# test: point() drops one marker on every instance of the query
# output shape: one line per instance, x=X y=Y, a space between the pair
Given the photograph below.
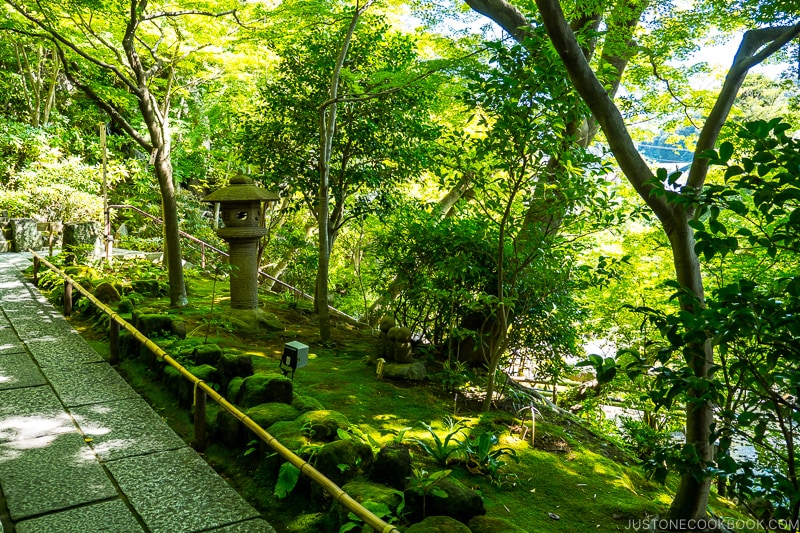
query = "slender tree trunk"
x=327 y=128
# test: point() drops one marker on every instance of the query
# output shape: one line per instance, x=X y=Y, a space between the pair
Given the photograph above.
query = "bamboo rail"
x=202 y=390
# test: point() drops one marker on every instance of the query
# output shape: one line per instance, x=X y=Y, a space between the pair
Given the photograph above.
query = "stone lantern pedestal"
x=240 y=210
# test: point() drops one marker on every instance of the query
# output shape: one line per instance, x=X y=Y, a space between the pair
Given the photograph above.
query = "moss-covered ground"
x=572 y=480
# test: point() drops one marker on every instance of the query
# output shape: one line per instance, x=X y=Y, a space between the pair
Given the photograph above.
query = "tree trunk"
x=172 y=238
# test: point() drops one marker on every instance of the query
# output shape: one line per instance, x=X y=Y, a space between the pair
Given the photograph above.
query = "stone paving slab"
x=125 y=428
x=51 y=473
x=31 y=412
x=18 y=370
x=251 y=526
x=106 y=517
x=9 y=342
x=79 y=384
x=54 y=349
x=177 y=492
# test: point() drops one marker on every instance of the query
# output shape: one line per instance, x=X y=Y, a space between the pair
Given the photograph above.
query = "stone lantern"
x=240 y=208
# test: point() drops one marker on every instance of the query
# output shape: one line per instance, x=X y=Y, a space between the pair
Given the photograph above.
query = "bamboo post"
x=199 y=419
x=113 y=339
x=67 y=298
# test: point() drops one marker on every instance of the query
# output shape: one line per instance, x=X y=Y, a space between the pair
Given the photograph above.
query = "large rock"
x=151 y=324
x=107 y=293
x=291 y=434
x=307 y=403
x=232 y=365
x=438 y=524
x=83 y=239
x=24 y=234
x=324 y=425
x=409 y=371
x=264 y=388
x=458 y=501
x=341 y=460
x=363 y=492
x=267 y=414
x=392 y=466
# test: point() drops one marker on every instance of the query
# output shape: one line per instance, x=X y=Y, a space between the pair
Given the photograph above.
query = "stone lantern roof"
x=241 y=189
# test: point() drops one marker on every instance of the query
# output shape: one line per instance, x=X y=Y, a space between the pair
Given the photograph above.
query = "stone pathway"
x=80 y=451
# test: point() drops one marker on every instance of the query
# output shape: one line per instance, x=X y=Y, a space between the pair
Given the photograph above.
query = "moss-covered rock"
x=307 y=403
x=206 y=373
x=485 y=524
x=151 y=324
x=363 y=492
x=438 y=524
x=267 y=414
x=324 y=425
x=147 y=287
x=264 y=388
x=233 y=388
x=125 y=306
x=291 y=434
x=228 y=430
x=392 y=466
x=207 y=354
x=341 y=460
x=233 y=364
x=107 y=293
x=456 y=501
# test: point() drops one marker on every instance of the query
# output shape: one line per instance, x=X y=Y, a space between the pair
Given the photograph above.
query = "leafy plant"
x=481 y=458
x=287 y=480
x=426 y=484
x=454 y=376
x=442 y=449
x=381 y=510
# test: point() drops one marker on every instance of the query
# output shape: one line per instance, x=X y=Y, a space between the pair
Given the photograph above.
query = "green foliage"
x=287 y=480
x=454 y=376
x=482 y=457
x=441 y=449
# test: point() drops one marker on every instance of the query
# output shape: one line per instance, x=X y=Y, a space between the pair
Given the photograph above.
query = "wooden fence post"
x=67 y=298
x=113 y=340
x=36 y=263
x=199 y=419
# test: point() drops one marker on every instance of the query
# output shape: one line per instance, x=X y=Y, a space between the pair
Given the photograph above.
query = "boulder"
x=125 y=305
x=264 y=388
x=409 y=371
x=229 y=430
x=24 y=234
x=178 y=328
x=207 y=354
x=307 y=403
x=341 y=460
x=363 y=492
x=151 y=324
x=485 y=524
x=83 y=239
x=460 y=502
x=392 y=466
x=233 y=364
x=267 y=414
x=438 y=524
x=325 y=425
x=206 y=373
x=291 y=434
x=107 y=293
x=233 y=388
x=147 y=287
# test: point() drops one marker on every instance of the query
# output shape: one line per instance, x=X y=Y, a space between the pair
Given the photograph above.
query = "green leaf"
x=287 y=480
x=725 y=151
